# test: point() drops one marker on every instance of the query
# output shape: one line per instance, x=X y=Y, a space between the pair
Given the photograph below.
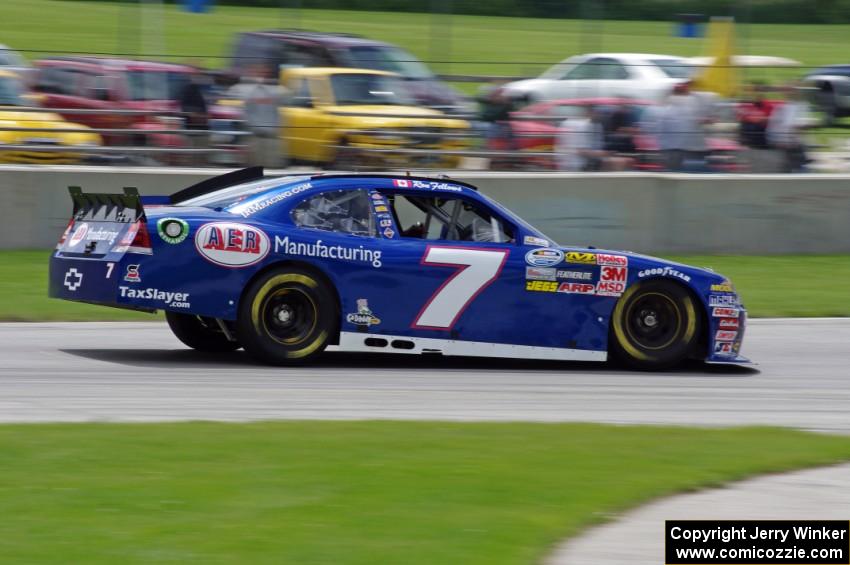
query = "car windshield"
x=390 y=59
x=156 y=85
x=366 y=89
x=231 y=195
x=674 y=68
x=10 y=92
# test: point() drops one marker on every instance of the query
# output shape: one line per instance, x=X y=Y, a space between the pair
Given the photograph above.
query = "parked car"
x=276 y=49
x=534 y=128
x=286 y=267
x=11 y=60
x=98 y=83
x=831 y=91
x=55 y=141
x=622 y=75
x=337 y=114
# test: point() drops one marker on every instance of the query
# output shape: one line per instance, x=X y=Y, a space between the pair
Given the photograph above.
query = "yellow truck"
x=337 y=115
x=52 y=130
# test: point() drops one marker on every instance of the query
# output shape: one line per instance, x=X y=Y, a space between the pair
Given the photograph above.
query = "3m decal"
x=476 y=269
x=612 y=281
x=230 y=244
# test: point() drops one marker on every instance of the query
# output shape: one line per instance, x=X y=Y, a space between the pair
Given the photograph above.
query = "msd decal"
x=612 y=281
x=232 y=245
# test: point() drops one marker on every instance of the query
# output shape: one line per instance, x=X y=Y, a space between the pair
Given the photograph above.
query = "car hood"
x=33 y=119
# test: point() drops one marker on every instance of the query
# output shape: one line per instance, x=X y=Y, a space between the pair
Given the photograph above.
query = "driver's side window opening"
x=448 y=219
x=344 y=211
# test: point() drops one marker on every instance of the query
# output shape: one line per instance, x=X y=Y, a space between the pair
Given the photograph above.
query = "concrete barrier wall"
x=652 y=213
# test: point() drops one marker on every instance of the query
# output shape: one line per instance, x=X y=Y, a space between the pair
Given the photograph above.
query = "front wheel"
x=203 y=334
x=287 y=317
x=655 y=326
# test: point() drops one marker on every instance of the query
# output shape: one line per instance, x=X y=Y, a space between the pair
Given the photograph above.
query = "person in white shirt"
x=580 y=145
x=785 y=130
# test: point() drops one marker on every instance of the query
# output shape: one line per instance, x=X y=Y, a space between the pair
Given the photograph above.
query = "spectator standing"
x=682 y=133
x=262 y=100
x=580 y=145
x=785 y=130
x=193 y=104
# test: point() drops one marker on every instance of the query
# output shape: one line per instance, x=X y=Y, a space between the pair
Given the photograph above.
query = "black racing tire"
x=287 y=317
x=655 y=326
x=199 y=333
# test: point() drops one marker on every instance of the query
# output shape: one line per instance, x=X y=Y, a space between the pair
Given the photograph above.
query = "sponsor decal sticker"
x=249 y=209
x=612 y=281
x=132 y=274
x=541 y=286
x=79 y=235
x=401 y=183
x=364 y=316
x=172 y=230
x=575 y=275
x=376 y=196
x=663 y=272
x=725 y=335
x=389 y=233
x=722 y=300
x=128 y=238
x=169 y=299
x=73 y=279
x=724 y=287
x=325 y=251
x=381 y=209
x=544 y=257
x=532 y=240
x=728 y=323
x=434 y=185
x=576 y=288
x=386 y=223
x=230 y=244
x=725 y=312
x=581 y=257
x=614 y=260
x=724 y=348
x=540 y=273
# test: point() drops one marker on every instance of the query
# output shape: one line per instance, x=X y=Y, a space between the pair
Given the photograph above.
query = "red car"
x=535 y=127
x=97 y=83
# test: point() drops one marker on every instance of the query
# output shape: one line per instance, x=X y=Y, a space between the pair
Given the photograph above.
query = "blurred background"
x=534 y=85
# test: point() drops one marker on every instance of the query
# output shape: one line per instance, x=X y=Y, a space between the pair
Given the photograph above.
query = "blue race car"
x=287 y=267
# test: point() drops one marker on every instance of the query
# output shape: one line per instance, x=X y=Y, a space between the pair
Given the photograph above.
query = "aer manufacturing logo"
x=73 y=279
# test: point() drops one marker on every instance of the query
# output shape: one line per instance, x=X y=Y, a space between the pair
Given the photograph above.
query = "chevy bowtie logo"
x=73 y=279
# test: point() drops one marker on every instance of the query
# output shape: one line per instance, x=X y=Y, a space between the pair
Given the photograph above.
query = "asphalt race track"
x=139 y=372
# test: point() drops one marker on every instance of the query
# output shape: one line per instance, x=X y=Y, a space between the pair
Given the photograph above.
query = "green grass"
x=785 y=285
x=474 y=44
x=352 y=492
x=770 y=286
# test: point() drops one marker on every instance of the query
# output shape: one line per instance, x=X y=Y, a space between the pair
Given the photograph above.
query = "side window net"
x=343 y=211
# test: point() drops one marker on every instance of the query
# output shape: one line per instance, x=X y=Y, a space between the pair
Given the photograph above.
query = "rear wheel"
x=287 y=317
x=203 y=334
x=655 y=325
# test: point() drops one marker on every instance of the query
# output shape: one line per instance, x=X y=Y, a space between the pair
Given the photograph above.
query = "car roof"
x=322 y=71
x=118 y=63
x=631 y=56
x=339 y=39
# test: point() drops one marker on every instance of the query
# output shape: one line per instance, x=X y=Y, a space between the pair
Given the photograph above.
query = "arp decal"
x=229 y=244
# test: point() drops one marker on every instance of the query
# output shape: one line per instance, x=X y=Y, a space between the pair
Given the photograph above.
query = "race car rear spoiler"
x=98 y=207
x=232 y=178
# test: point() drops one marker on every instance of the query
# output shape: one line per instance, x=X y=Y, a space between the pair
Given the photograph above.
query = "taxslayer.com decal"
x=232 y=245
